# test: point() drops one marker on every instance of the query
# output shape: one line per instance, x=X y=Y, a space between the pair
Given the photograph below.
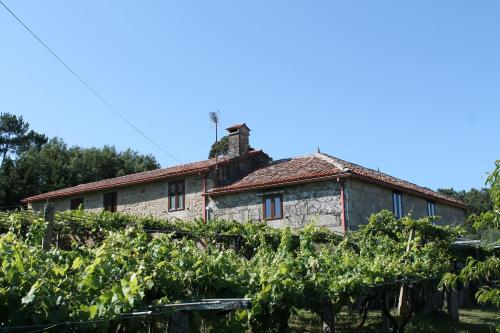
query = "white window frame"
x=397 y=204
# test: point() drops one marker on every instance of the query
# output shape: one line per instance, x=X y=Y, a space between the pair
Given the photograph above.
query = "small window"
x=397 y=204
x=431 y=208
x=273 y=207
x=176 y=195
x=75 y=203
x=109 y=202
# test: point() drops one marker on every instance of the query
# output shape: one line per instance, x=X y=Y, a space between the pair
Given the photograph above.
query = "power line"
x=92 y=90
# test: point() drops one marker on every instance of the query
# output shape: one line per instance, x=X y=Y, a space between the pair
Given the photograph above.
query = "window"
x=431 y=208
x=75 y=203
x=397 y=204
x=273 y=207
x=176 y=195
x=109 y=201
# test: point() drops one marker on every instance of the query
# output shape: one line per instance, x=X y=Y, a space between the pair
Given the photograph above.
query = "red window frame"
x=177 y=189
x=273 y=198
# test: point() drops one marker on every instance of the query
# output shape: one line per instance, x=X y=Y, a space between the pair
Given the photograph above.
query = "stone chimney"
x=238 y=140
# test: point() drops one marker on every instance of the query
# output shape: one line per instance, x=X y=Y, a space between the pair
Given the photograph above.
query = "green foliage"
x=111 y=266
x=220 y=147
x=478 y=200
x=15 y=136
x=487 y=271
x=494 y=181
x=15 y=139
x=32 y=164
x=54 y=165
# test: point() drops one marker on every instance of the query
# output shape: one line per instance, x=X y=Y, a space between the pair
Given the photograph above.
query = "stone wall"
x=143 y=200
x=364 y=198
x=449 y=215
x=317 y=203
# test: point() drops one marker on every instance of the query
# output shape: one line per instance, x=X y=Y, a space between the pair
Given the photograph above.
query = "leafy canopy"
x=219 y=148
x=15 y=136
x=32 y=164
x=106 y=265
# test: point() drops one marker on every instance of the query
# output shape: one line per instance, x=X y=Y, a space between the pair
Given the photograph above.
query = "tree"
x=32 y=164
x=133 y=162
x=55 y=166
x=8 y=181
x=479 y=201
x=220 y=147
x=15 y=136
x=487 y=270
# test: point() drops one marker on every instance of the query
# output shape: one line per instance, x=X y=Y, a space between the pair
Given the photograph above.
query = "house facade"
x=247 y=184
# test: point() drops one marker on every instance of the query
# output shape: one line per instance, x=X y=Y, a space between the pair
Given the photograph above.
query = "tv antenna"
x=214 y=118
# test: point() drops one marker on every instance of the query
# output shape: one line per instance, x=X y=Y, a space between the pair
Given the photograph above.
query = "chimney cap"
x=235 y=128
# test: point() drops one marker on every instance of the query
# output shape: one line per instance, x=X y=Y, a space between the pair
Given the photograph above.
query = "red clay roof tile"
x=278 y=173
x=321 y=165
x=381 y=177
x=136 y=178
x=283 y=171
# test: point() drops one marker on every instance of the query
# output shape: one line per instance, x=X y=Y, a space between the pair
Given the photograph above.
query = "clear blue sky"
x=411 y=87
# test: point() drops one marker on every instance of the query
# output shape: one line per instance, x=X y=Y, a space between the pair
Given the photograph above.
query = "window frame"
x=397 y=204
x=431 y=208
x=273 y=206
x=80 y=201
x=113 y=204
x=176 y=195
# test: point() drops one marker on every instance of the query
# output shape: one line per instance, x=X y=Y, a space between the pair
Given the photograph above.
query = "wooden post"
x=433 y=298
x=178 y=323
x=386 y=324
x=328 y=317
x=452 y=305
x=48 y=215
x=404 y=292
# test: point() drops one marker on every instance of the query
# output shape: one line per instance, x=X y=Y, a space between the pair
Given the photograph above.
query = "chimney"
x=238 y=140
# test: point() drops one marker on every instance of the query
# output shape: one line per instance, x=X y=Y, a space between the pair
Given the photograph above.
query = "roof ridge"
x=332 y=160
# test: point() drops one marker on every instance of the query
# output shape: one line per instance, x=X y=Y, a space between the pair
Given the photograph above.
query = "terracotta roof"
x=282 y=172
x=136 y=178
x=318 y=166
x=381 y=177
x=278 y=173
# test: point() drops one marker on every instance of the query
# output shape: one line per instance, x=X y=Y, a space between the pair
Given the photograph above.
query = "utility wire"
x=92 y=90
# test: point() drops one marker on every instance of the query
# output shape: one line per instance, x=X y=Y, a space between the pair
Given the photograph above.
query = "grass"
x=471 y=321
x=478 y=320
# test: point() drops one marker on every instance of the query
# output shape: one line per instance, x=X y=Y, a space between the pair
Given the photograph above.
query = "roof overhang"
x=102 y=188
x=336 y=177
x=407 y=190
x=76 y=190
x=278 y=184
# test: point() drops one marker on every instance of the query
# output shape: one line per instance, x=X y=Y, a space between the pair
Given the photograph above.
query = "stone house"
x=248 y=185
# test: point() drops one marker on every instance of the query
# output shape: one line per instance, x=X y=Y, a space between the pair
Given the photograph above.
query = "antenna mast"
x=214 y=118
